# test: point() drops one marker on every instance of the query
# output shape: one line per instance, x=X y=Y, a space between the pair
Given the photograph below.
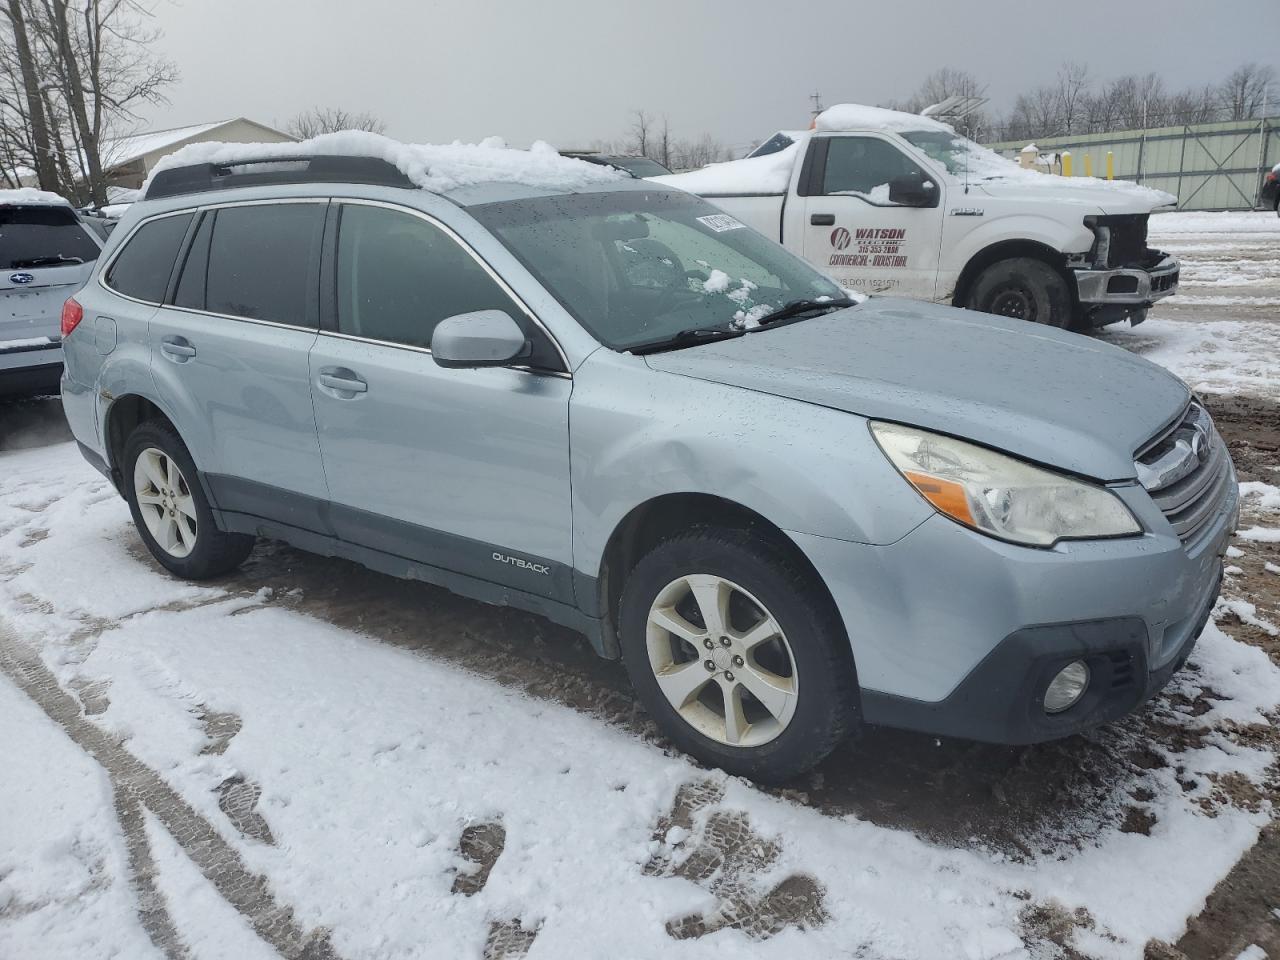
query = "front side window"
x=399 y=275
x=43 y=236
x=864 y=167
x=635 y=267
x=142 y=269
x=262 y=262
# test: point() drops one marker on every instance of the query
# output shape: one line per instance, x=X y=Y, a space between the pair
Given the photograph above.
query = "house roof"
x=121 y=150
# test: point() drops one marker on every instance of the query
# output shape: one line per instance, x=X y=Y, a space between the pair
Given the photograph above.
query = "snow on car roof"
x=30 y=196
x=438 y=168
x=845 y=117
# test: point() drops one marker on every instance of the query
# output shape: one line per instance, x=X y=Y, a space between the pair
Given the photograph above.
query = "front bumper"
x=956 y=634
x=1129 y=287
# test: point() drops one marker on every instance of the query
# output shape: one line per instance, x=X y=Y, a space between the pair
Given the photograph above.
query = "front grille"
x=1187 y=471
x=1128 y=239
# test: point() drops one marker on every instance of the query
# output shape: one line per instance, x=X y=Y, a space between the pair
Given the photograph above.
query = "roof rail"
x=202 y=177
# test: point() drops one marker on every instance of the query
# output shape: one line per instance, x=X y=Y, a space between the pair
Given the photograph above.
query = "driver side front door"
x=860 y=237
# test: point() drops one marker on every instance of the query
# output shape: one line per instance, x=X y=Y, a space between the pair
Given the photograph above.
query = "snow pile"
x=434 y=167
x=30 y=196
x=1268 y=497
x=856 y=118
x=1214 y=222
x=767 y=174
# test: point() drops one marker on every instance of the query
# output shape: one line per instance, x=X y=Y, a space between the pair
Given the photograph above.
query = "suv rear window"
x=142 y=269
x=46 y=236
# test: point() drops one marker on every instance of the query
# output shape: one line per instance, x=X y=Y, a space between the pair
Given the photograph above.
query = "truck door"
x=873 y=219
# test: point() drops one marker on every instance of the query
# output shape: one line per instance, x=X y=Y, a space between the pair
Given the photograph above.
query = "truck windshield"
x=958 y=153
x=635 y=267
x=41 y=236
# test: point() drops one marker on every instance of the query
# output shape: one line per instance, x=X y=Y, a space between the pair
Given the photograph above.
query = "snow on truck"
x=895 y=203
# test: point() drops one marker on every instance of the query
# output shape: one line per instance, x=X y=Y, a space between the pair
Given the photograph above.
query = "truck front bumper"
x=1109 y=295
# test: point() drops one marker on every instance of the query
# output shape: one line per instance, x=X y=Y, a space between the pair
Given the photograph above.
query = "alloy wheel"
x=722 y=660
x=165 y=502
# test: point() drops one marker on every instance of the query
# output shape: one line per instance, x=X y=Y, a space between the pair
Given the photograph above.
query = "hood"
x=1114 y=197
x=1056 y=398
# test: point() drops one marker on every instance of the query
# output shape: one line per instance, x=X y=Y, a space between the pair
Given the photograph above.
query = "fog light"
x=1067 y=687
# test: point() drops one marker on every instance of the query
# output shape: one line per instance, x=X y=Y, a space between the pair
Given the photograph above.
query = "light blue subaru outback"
x=610 y=403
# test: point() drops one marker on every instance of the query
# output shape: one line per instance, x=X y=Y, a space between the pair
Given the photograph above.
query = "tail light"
x=72 y=314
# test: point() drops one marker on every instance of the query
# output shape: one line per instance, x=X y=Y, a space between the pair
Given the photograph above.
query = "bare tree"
x=1073 y=91
x=640 y=123
x=317 y=120
x=1244 y=91
x=33 y=110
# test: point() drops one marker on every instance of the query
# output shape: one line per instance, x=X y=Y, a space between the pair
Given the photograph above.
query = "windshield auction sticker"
x=720 y=222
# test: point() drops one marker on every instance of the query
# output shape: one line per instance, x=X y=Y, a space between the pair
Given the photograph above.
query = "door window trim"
x=484 y=265
x=818 y=174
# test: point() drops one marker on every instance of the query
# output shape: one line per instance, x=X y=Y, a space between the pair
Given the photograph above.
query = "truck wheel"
x=170 y=510
x=738 y=654
x=1024 y=289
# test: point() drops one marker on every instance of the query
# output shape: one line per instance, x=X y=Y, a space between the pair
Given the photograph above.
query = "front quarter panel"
x=637 y=433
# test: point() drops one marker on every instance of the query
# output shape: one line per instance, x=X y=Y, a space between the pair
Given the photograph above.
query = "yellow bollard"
x=1066 y=164
x=1088 y=164
x=1111 y=165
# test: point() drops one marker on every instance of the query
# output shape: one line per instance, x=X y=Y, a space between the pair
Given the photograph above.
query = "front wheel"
x=1024 y=289
x=170 y=509
x=738 y=653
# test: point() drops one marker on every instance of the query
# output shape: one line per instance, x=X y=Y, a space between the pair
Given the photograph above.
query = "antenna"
x=817 y=103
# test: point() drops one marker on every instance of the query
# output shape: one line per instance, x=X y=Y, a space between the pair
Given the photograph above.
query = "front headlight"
x=998 y=495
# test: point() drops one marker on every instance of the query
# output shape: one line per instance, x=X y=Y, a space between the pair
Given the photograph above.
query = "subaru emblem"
x=21 y=277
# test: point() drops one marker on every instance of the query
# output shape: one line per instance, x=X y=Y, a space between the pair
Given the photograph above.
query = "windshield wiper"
x=45 y=261
x=686 y=338
x=797 y=308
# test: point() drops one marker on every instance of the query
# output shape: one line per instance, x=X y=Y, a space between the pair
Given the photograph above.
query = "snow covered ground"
x=230 y=771
x=1221 y=333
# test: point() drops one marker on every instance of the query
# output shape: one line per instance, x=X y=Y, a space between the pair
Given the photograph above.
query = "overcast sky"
x=570 y=71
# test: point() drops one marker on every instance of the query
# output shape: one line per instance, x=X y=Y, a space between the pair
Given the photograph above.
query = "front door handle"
x=177 y=349
x=823 y=219
x=342 y=381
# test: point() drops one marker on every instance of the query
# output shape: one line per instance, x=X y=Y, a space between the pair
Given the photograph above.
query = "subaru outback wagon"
x=611 y=404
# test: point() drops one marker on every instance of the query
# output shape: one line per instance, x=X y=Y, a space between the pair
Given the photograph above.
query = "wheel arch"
x=649 y=523
x=125 y=414
x=1009 y=250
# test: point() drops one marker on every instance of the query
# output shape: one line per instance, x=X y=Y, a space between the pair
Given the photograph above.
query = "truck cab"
x=895 y=203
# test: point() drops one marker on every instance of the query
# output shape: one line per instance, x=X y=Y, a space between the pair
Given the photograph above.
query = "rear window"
x=142 y=269
x=43 y=237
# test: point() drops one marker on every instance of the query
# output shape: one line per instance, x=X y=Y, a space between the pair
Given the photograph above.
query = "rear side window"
x=195 y=272
x=142 y=269
x=262 y=263
x=399 y=276
x=44 y=236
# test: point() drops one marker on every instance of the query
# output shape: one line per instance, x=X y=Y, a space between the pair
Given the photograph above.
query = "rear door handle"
x=823 y=219
x=342 y=381
x=177 y=349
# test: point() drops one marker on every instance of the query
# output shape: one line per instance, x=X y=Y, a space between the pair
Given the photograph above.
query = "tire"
x=1024 y=289
x=811 y=684
x=176 y=509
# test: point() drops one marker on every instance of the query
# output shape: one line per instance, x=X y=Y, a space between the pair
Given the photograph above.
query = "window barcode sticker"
x=720 y=222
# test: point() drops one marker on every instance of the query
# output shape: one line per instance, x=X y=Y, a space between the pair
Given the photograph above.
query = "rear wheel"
x=738 y=654
x=1024 y=289
x=170 y=509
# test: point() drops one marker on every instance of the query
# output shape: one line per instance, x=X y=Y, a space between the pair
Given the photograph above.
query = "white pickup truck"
x=889 y=202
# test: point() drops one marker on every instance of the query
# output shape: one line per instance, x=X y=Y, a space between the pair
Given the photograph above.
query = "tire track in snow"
x=136 y=786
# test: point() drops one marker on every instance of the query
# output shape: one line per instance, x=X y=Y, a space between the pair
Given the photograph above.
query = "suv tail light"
x=72 y=314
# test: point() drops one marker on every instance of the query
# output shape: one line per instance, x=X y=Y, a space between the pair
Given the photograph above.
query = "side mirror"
x=482 y=338
x=913 y=190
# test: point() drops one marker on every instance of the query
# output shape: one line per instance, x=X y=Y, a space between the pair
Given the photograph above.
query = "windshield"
x=42 y=236
x=775 y=144
x=958 y=153
x=636 y=267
